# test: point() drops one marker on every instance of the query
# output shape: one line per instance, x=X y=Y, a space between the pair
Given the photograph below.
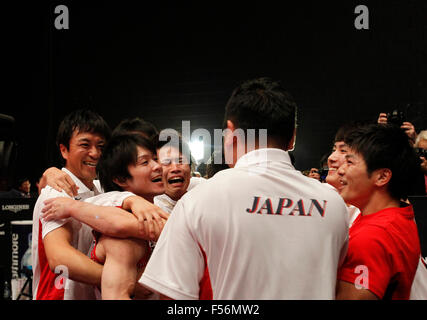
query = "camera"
x=421 y=152
x=323 y=172
x=396 y=117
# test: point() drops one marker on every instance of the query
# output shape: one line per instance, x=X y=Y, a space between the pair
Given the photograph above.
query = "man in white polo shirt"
x=58 y=246
x=260 y=230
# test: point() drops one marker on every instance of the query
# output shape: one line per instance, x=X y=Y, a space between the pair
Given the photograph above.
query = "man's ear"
x=291 y=144
x=382 y=176
x=122 y=183
x=64 y=151
x=228 y=137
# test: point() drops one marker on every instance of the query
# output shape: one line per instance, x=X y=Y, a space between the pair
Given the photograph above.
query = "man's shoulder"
x=385 y=220
x=48 y=193
x=45 y=194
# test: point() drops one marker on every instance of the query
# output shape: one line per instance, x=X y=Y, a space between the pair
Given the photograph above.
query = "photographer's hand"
x=410 y=131
x=382 y=118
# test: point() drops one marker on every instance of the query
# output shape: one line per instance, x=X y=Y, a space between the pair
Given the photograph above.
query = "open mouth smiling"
x=157 y=179
x=90 y=164
x=176 y=180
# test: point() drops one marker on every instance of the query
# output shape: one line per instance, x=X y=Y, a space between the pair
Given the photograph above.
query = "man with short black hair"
x=62 y=245
x=259 y=230
x=177 y=169
x=384 y=247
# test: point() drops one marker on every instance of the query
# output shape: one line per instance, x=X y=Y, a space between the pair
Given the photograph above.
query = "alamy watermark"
x=223 y=142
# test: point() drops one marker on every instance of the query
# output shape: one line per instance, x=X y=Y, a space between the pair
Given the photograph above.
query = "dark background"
x=168 y=63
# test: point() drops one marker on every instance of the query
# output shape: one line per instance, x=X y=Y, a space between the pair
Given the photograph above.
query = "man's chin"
x=175 y=194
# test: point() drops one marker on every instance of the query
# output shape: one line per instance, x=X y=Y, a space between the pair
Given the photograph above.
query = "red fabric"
x=46 y=289
x=93 y=256
x=205 y=292
x=387 y=243
x=141 y=263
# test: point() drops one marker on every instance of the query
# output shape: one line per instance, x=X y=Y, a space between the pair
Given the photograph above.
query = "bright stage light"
x=197 y=149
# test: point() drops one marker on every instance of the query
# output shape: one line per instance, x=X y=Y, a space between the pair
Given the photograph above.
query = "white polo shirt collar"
x=264 y=155
x=83 y=191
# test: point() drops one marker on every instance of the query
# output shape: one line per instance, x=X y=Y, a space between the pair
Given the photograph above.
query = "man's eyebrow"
x=83 y=139
x=347 y=156
x=142 y=156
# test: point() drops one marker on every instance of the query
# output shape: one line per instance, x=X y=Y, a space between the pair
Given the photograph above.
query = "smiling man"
x=384 y=248
x=337 y=159
x=60 y=244
x=177 y=169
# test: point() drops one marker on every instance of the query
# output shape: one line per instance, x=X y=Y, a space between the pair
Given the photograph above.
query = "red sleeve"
x=368 y=263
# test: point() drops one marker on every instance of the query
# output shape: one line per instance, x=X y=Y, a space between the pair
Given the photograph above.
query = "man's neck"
x=88 y=183
x=174 y=197
x=379 y=200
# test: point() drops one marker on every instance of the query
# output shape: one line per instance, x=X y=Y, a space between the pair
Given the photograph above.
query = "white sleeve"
x=419 y=285
x=176 y=265
x=112 y=198
x=48 y=226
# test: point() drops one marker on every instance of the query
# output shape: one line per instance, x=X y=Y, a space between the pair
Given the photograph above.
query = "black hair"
x=120 y=152
x=263 y=103
x=212 y=168
x=182 y=147
x=346 y=128
x=82 y=120
x=136 y=125
x=387 y=146
x=19 y=181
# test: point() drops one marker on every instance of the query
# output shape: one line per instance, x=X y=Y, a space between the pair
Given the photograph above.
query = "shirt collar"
x=82 y=187
x=264 y=155
x=166 y=200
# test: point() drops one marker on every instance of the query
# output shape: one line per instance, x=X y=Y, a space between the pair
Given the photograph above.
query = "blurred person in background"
x=314 y=173
x=21 y=189
x=421 y=149
x=418 y=143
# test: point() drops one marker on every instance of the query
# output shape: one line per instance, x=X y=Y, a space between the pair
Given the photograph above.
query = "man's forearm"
x=111 y=221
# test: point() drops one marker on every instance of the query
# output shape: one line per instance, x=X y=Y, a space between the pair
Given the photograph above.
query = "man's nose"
x=94 y=152
x=156 y=166
x=175 y=167
x=332 y=158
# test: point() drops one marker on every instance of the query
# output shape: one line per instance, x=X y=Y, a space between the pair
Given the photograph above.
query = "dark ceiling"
x=169 y=63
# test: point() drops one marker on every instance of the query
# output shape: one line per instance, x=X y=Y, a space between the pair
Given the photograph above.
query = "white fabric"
x=353 y=213
x=167 y=204
x=109 y=199
x=164 y=202
x=419 y=286
x=195 y=181
x=252 y=255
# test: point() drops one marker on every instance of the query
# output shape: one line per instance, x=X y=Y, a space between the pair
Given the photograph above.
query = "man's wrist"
x=129 y=202
x=74 y=208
